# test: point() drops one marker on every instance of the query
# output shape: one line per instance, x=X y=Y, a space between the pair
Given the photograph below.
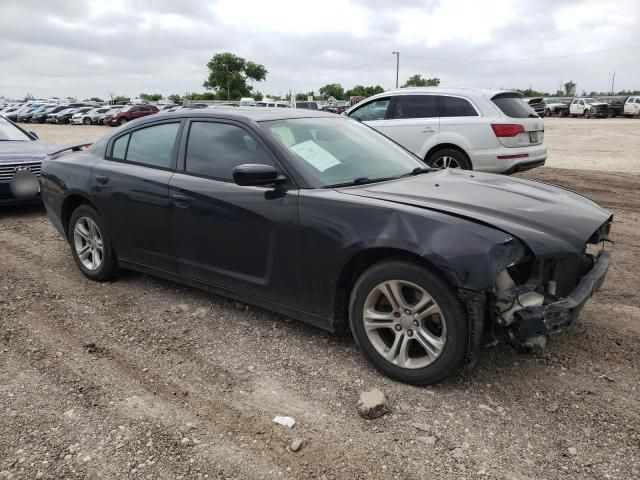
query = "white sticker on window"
x=315 y=155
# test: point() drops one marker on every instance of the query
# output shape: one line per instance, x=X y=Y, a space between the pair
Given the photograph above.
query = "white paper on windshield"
x=315 y=155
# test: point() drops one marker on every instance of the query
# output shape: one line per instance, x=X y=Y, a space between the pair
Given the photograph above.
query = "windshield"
x=341 y=151
x=8 y=132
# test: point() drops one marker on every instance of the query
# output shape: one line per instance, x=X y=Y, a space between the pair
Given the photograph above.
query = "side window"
x=581 y=102
x=120 y=147
x=574 y=102
x=215 y=149
x=416 y=106
x=375 y=110
x=637 y=100
x=151 y=146
x=456 y=107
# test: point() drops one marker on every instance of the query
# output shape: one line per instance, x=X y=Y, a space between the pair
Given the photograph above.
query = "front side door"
x=373 y=113
x=236 y=237
x=413 y=122
x=131 y=191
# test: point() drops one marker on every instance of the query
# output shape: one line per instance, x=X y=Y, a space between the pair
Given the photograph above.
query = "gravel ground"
x=144 y=378
x=611 y=144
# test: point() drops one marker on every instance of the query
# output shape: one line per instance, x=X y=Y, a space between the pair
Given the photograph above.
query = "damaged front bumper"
x=554 y=317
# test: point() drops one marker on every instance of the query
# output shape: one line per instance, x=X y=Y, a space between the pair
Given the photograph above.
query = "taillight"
x=507 y=129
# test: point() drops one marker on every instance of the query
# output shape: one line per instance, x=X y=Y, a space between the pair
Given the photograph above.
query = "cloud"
x=93 y=47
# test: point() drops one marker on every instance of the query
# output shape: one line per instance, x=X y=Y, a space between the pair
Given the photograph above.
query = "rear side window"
x=375 y=110
x=151 y=146
x=514 y=107
x=416 y=106
x=457 y=107
x=215 y=149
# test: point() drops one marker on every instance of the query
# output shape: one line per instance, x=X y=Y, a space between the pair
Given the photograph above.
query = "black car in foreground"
x=321 y=218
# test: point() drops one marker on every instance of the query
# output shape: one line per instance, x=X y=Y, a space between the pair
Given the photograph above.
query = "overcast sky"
x=87 y=48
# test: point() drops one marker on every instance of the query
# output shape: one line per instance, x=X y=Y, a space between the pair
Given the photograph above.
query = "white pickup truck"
x=588 y=107
x=632 y=107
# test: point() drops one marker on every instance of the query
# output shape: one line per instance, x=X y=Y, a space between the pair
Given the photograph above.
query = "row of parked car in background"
x=114 y=115
x=588 y=107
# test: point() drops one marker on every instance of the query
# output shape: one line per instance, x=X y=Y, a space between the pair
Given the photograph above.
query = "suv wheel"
x=547 y=112
x=449 y=158
x=587 y=113
x=86 y=121
x=91 y=246
x=410 y=325
x=122 y=121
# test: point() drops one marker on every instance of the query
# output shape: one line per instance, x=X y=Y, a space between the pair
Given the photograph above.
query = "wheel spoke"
x=376 y=325
x=395 y=295
x=82 y=230
x=430 y=310
x=427 y=340
x=84 y=253
x=424 y=301
x=93 y=229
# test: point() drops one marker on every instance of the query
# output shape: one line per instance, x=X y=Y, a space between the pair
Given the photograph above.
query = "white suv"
x=485 y=130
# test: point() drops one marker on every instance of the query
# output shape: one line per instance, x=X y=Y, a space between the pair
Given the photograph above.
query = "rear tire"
x=122 y=121
x=587 y=114
x=86 y=121
x=449 y=158
x=424 y=339
x=91 y=245
x=547 y=112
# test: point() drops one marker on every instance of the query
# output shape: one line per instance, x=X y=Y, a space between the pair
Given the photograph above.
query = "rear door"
x=237 y=237
x=131 y=191
x=413 y=121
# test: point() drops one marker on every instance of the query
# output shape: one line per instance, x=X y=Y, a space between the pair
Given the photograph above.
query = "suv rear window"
x=456 y=107
x=513 y=106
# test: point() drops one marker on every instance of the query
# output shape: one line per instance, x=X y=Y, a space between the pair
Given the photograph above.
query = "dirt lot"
x=143 y=378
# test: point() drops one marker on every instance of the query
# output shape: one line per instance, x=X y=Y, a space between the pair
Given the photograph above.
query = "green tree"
x=151 y=97
x=175 y=98
x=257 y=96
x=120 y=99
x=302 y=97
x=227 y=70
x=334 y=90
x=417 y=81
x=96 y=99
x=194 y=96
x=361 y=91
x=570 y=88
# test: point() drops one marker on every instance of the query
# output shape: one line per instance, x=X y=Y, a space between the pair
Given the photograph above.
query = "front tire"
x=408 y=322
x=91 y=245
x=449 y=158
x=122 y=121
x=587 y=114
x=86 y=121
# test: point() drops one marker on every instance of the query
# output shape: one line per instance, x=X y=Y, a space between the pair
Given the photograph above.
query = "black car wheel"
x=122 y=121
x=86 y=121
x=449 y=158
x=587 y=113
x=91 y=246
x=408 y=322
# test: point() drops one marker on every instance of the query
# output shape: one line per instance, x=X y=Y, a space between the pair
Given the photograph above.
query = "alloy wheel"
x=446 y=161
x=87 y=241
x=404 y=324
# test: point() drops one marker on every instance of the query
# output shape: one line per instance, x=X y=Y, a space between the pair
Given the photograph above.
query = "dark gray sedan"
x=323 y=219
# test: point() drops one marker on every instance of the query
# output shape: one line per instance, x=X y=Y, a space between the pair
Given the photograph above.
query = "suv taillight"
x=507 y=129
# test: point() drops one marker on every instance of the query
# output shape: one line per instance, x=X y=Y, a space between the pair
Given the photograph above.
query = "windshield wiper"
x=355 y=181
x=418 y=171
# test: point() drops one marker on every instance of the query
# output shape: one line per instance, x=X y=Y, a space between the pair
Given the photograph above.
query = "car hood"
x=550 y=220
x=29 y=151
x=599 y=104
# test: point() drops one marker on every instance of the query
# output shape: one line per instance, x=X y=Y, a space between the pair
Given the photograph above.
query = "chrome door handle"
x=102 y=179
x=428 y=129
x=181 y=201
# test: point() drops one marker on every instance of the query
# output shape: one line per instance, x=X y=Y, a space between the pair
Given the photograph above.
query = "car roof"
x=247 y=114
x=464 y=91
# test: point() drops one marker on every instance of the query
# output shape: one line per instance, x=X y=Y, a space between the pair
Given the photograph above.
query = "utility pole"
x=613 y=81
x=397 y=54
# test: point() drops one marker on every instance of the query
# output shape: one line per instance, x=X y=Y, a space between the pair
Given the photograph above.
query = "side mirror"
x=249 y=175
x=34 y=135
